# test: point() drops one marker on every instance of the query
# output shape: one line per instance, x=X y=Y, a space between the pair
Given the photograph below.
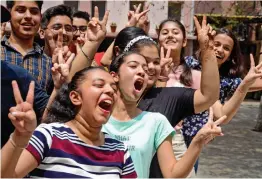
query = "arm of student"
x=208 y=93
x=96 y=33
x=256 y=86
x=170 y=167
x=16 y=162
x=108 y=56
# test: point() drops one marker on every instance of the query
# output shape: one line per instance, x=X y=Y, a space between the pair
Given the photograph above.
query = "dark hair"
x=126 y=35
x=119 y=60
x=186 y=76
x=62 y=109
x=10 y=4
x=234 y=66
x=82 y=14
x=60 y=10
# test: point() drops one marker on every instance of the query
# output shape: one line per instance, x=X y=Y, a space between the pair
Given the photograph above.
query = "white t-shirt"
x=142 y=135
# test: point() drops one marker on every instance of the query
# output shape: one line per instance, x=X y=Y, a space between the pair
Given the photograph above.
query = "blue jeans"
x=188 y=140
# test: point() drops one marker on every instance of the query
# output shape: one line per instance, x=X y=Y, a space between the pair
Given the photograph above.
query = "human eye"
x=57 y=26
x=21 y=9
x=34 y=11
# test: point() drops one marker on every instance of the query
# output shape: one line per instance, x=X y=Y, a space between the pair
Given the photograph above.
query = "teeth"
x=108 y=101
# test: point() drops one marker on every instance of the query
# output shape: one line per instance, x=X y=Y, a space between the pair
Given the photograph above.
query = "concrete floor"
x=238 y=154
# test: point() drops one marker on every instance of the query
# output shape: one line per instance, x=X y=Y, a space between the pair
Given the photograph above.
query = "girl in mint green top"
x=147 y=133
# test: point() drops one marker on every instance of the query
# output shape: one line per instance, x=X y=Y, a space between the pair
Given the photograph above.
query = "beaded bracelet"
x=14 y=144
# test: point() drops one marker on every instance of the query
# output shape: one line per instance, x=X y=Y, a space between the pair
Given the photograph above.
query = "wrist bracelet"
x=87 y=57
x=14 y=144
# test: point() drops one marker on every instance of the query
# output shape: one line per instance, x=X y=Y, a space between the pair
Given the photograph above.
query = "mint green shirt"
x=142 y=135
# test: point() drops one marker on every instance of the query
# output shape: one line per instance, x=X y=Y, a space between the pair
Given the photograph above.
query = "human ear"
x=75 y=98
x=115 y=76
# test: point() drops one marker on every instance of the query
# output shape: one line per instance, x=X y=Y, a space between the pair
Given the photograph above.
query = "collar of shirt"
x=36 y=47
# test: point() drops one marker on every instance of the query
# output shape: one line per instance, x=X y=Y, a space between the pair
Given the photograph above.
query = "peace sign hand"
x=22 y=115
x=97 y=29
x=143 y=21
x=210 y=130
x=205 y=34
x=254 y=72
x=51 y=43
x=61 y=69
x=135 y=16
x=166 y=62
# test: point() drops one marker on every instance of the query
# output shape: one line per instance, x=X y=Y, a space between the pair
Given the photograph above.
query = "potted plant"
x=113 y=27
x=157 y=29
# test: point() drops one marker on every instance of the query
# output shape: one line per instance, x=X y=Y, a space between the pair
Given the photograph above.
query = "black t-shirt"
x=175 y=103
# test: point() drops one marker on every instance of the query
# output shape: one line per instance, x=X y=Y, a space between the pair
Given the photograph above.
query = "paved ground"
x=239 y=153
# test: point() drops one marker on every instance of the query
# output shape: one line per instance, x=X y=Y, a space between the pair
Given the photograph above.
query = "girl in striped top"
x=70 y=144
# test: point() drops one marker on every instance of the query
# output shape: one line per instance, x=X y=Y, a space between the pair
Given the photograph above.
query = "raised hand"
x=254 y=72
x=22 y=115
x=61 y=69
x=205 y=34
x=210 y=130
x=135 y=16
x=52 y=44
x=166 y=62
x=97 y=29
x=143 y=21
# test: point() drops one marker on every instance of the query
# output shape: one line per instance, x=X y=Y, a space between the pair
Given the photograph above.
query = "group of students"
x=121 y=120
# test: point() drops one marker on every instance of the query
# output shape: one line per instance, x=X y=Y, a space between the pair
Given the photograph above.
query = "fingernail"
x=14 y=113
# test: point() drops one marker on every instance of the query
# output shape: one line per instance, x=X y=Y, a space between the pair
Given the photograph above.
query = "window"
x=72 y=4
x=101 y=6
x=174 y=10
x=132 y=3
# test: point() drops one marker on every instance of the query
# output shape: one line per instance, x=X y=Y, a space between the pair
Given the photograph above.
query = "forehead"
x=171 y=25
x=28 y=4
x=224 y=39
x=149 y=52
x=99 y=74
x=60 y=20
x=79 y=21
x=135 y=58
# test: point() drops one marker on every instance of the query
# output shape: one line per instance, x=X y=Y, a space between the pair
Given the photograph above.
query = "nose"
x=141 y=72
x=28 y=14
x=109 y=90
x=219 y=49
x=151 y=67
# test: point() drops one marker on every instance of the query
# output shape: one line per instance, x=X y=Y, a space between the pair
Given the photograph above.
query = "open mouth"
x=170 y=42
x=219 y=57
x=138 y=84
x=106 y=105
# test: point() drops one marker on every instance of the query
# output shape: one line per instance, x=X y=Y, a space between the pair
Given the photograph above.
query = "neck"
x=125 y=110
x=47 y=51
x=90 y=135
x=176 y=57
x=21 y=45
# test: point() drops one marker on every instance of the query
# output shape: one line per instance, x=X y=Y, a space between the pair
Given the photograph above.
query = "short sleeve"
x=128 y=170
x=162 y=129
x=40 y=142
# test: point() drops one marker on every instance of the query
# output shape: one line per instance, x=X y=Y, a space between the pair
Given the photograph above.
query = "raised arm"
x=170 y=167
x=232 y=105
x=95 y=34
x=16 y=162
x=208 y=93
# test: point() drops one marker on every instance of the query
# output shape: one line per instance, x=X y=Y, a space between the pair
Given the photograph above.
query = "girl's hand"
x=166 y=63
x=97 y=29
x=254 y=72
x=210 y=130
x=143 y=21
x=205 y=34
x=22 y=115
x=134 y=16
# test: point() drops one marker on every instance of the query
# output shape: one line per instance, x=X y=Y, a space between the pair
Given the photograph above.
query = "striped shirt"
x=35 y=61
x=61 y=153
